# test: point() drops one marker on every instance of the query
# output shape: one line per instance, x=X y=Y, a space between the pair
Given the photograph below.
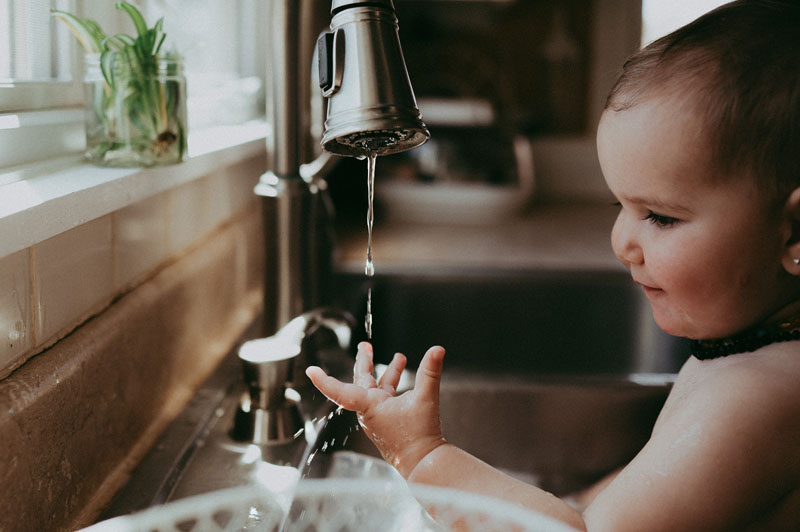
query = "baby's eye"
x=660 y=220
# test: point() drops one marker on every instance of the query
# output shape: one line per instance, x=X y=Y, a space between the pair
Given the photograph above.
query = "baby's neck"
x=782 y=326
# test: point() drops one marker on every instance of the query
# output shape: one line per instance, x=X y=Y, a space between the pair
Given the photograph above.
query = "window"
x=40 y=82
x=660 y=17
x=223 y=46
x=41 y=91
x=37 y=61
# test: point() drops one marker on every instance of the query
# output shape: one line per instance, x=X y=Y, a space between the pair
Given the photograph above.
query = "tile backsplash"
x=141 y=238
x=50 y=288
x=71 y=276
x=16 y=317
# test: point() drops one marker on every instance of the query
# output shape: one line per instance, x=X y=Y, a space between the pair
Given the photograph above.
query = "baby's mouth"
x=649 y=290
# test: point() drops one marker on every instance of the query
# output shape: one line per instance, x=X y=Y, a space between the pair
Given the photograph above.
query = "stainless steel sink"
x=554 y=377
x=531 y=322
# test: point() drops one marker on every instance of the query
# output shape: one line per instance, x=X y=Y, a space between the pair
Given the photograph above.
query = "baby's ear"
x=791 y=254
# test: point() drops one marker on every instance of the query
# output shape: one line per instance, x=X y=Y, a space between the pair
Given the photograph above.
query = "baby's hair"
x=738 y=67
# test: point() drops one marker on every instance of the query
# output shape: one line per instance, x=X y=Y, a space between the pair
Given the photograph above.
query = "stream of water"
x=369 y=266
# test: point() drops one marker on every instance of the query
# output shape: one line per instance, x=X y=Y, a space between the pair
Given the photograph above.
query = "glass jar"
x=138 y=116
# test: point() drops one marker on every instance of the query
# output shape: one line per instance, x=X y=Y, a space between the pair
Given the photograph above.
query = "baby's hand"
x=405 y=428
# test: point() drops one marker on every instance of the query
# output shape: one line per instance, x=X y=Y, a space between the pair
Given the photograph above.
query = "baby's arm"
x=407 y=432
x=720 y=459
x=449 y=466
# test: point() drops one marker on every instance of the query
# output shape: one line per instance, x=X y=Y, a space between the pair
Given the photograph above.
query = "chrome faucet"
x=267 y=413
x=369 y=106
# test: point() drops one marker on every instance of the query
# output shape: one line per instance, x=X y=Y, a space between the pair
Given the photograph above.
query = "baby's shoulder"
x=760 y=386
x=727 y=436
x=772 y=371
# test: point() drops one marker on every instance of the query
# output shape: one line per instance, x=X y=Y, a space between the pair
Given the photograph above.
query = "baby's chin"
x=681 y=326
x=685 y=327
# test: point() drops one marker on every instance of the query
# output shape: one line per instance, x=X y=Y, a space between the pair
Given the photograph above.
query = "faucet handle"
x=267 y=365
x=267 y=416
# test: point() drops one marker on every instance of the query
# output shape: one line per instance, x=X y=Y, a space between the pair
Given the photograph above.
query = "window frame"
x=24 y=102
x=28 y=95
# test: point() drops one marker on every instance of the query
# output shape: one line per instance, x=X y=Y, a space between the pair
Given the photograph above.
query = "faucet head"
x=377 y=141
x=371 y=105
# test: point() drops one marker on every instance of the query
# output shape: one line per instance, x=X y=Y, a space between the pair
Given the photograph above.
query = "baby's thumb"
x=429 y=373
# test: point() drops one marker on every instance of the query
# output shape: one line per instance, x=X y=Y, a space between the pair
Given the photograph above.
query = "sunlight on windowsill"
x=42 y=199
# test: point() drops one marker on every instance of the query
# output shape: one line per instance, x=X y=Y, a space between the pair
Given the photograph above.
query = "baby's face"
x=706 y=251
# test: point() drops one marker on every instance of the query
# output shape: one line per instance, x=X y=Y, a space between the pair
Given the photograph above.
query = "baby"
x=700 y=144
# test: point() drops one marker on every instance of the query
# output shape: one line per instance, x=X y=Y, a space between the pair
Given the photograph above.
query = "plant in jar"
x=135 y=94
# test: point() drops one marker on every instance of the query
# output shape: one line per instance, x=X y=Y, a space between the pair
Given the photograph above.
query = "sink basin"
x=533 y=322
x=553 y=377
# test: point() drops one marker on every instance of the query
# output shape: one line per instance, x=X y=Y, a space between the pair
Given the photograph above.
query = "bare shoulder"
x=748 y=405
x=759 y=387
x=724 y=451
x=739 y=387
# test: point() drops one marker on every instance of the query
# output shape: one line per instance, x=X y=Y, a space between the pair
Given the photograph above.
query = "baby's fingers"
x=363 y=368
x=429 y=374
x=348 y=396
x=391 y=377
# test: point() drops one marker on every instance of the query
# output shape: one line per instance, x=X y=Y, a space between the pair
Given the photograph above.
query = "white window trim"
x=27 y=95
x=47 y=188
x=41 y=200
x=34 y=136
x=20 y=96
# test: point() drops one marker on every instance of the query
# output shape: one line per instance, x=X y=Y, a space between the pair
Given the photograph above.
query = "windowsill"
x=41 y=200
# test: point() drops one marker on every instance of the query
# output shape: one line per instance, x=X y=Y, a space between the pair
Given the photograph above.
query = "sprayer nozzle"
x=380 y=142
x=371 y=105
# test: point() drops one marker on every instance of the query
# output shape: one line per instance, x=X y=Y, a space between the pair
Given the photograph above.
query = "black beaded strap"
x=748 y=341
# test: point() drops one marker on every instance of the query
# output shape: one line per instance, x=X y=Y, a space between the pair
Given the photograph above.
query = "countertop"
x=546 y=236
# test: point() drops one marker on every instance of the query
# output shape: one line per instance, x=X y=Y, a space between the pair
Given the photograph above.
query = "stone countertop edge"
x=77 y=418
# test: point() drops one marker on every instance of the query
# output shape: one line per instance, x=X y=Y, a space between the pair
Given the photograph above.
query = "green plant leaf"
x=107 y=60
x=119 y=41
x=86 y=31
x=136 y=16
x=160 y=42
x=95 y=29
x=158 y=36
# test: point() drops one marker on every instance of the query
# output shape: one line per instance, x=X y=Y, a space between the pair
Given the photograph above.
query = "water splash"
x=310 y=458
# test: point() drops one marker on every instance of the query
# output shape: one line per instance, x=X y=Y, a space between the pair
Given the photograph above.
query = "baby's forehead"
x=665 y=132
x=662 y=118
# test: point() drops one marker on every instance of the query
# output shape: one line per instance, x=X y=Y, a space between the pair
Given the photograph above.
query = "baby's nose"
x=625 y=243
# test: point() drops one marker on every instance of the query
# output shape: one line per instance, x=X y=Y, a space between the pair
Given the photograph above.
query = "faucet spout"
x=371 y=105
x=370 y=108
